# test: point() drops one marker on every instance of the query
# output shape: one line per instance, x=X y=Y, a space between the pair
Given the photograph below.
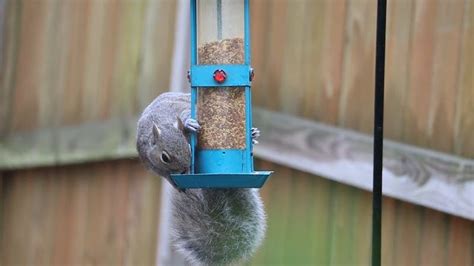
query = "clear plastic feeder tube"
x=221 y=110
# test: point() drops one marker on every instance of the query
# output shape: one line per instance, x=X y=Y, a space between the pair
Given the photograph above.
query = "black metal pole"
x=378 y=133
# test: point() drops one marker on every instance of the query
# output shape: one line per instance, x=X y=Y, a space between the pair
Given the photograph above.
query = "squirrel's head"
x=170 y=151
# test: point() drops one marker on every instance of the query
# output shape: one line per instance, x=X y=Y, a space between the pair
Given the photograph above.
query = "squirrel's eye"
x=165 y=157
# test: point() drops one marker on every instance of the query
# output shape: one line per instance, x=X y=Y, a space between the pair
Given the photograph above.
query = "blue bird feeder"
x=220 y=78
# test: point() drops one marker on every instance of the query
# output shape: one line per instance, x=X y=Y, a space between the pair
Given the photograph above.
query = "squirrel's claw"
x=255 y=134
x=192 y=125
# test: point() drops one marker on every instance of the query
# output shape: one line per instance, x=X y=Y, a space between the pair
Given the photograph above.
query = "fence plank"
x=320 y=214
x=433 y=238
x=92 y=93
x=278 y=220
x=331 y=65
x=389 y=217
x=398 y=51
x=445 y=74
x=362 y=228
x=156 y=51
x=275 y=43
x=32 y=34
x=408 y=224
x=10 y=50
x=460 y=242
x=341 y=224
x=311 y=53
x=358 y=79
x=421 y=66
x=129 y=41
x=464 y=143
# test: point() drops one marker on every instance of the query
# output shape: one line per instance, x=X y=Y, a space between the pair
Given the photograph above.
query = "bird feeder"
x=220 y=78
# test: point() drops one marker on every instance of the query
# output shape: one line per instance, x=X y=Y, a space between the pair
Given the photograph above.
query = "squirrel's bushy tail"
x=217 y=226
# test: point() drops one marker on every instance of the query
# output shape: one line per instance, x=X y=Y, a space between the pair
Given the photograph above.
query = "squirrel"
x=209 y=226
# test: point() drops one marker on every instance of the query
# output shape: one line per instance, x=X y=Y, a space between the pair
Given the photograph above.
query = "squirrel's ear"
x=156 y=132
x=180 y=124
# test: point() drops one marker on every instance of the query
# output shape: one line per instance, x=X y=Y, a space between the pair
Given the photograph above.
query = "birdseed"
x=221 y=110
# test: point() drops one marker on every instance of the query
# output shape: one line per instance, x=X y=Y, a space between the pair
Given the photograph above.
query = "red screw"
x=220 y=76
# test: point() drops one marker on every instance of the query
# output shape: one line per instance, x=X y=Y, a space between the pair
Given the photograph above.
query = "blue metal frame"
x=221 y=168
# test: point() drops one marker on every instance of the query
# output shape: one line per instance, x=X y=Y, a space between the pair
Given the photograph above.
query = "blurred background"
x=75 y=75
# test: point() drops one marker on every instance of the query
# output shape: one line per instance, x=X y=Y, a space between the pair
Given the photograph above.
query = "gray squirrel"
x=209 y=226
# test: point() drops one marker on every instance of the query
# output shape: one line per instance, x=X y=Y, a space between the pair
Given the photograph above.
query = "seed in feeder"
x=221 y=110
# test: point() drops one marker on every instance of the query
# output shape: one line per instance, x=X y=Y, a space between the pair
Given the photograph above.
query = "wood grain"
x=429 y=178
x=25 y=86
x=464 y=143
x=155 y=53
x=460 y=242
x=326 y=104
x=434 y=236
x=72 y=70
x=420 y=94
x=269 y=70
x=80 y=215
x=9 y=56
x=447 y=57
x=408 y=243
x=398 y=51
x=419 y=176
x=356 y=101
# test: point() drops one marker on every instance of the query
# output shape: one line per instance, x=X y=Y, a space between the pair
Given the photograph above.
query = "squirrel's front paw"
x=192 y=125
x=255 y=134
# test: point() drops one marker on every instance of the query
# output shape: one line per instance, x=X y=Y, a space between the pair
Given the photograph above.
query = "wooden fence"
x=316 y=59
x=83 y=63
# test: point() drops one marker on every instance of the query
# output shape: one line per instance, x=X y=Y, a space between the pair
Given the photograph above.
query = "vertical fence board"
x=301 y=201
x=312 y=41
x=69 y=45
x=342 y=224
x=27 y=77
x=407 y=241
x=445 y=74
x=433 y=241
x=95 y=24
x=155 y=57
x=464 y=142
x=358 y=79
x=419 y=95
x=278 y=220
x=125 y=77
x=398 y=52
x=10 y=50
x=332 y=54
x=261 y=18
x=321 y=220
x=362 y=233
x=460 y=243
x=291 y=90
x=388 y=231
x=276 y=43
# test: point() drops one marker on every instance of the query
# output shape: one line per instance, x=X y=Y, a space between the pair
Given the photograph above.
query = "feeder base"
x=237 y=180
